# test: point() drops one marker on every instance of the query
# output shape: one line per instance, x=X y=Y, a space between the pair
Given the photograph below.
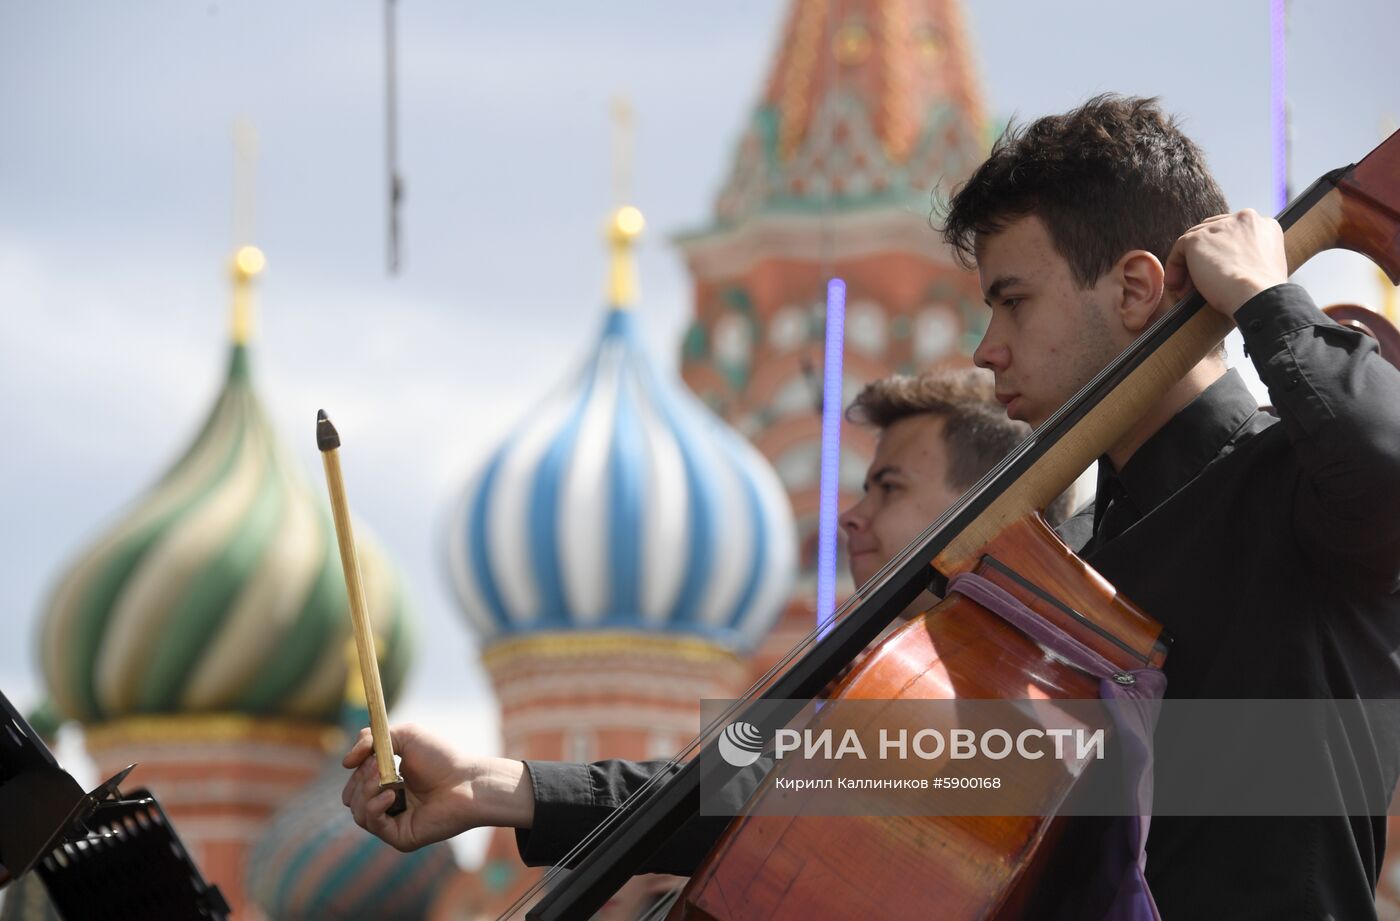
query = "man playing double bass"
x=1269 y=547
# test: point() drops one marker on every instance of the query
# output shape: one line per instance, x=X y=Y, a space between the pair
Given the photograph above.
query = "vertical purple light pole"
x=832 y=399
x=1278 y=29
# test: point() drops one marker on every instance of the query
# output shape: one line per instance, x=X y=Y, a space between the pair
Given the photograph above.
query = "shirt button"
x=1256 y=325
x=1292 y=382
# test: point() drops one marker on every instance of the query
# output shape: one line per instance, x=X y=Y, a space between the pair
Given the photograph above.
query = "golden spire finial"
x=625 y=224
x=248 y=260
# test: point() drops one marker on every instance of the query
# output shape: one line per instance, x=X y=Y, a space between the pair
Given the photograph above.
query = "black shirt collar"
x=1177 y=452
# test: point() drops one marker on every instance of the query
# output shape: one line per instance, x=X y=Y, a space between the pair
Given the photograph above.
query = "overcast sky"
x=115 y=225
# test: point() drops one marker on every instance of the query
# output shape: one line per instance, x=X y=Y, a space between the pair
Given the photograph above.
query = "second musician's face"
x=1047 y=336
x=906 y=488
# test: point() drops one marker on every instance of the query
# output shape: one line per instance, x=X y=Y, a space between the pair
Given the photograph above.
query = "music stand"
x=100 y=856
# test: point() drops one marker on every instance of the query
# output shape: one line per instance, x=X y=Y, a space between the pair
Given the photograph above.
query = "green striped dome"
x=220 y=590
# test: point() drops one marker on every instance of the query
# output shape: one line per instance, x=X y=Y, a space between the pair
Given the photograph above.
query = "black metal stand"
x=100 y=856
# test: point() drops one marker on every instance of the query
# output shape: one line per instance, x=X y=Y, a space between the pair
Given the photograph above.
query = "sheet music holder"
x=100 y=855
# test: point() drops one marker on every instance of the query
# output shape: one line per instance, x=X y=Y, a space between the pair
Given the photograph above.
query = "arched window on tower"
x=734 y=334
x=800 y=466
x=935 y=334
x=867 y=328
x=790 y=327
x=662 y=745
x=798 y=396
x=578 y=745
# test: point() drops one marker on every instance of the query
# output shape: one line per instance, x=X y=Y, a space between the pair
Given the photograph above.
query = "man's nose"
x=991 y=353
x=851 y=520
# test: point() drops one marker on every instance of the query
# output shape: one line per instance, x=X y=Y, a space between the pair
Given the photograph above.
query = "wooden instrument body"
x=952 y=867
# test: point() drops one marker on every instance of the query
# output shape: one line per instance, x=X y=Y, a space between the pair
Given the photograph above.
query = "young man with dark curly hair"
x=1249 y=537
x=1269 y=547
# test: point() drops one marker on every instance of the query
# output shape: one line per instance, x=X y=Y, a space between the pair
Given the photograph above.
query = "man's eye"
x=1011 y=303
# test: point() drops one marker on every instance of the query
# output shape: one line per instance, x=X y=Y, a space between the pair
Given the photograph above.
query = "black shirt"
x=1269 y=548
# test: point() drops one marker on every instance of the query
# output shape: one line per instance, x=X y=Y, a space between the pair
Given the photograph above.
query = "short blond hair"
x=976 y=429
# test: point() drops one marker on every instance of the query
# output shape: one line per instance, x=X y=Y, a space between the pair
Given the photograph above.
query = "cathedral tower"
x=870 y=107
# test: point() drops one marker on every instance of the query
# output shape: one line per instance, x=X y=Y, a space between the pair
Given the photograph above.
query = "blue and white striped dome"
x=624 y=503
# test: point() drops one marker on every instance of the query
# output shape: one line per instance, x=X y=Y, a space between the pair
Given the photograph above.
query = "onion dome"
x=220 y=589
x=623 y=503
x=315 y=864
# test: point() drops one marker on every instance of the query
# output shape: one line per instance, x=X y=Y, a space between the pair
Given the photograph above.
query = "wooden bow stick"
x=328 y=440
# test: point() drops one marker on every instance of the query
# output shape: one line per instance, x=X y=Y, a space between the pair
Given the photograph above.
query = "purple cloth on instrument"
x=1135 y=714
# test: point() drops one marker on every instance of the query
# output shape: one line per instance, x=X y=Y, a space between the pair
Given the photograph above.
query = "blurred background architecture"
x=620 y=540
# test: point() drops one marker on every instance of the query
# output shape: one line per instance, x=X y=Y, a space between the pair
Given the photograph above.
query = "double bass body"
x=784 y=866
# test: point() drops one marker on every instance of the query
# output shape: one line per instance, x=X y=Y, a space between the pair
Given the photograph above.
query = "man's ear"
x=1141 y=277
